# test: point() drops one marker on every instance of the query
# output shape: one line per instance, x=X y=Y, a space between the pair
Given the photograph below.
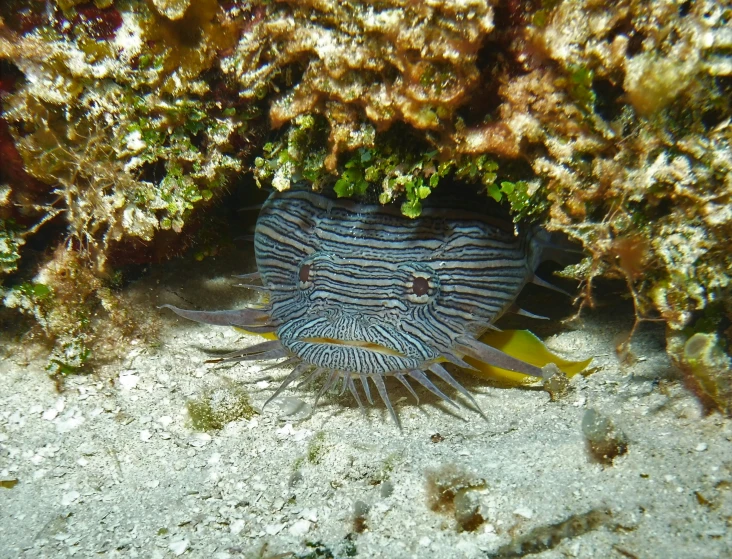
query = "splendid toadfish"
x=360 y=292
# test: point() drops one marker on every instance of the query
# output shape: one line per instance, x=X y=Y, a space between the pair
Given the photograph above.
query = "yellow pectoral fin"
x=523 y=345
x=267 y=336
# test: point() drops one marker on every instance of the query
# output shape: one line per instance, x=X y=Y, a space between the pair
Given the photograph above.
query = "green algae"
x=316 y=448
x=299 y=155
x=11 y=241
x=218 y=406
x=392 y=168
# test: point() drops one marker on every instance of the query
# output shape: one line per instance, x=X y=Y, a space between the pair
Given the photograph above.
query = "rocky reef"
x=119 y=126
x=123 y=118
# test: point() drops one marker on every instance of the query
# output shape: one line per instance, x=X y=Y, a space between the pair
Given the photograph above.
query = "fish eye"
x=305 y=273
x=420 y=286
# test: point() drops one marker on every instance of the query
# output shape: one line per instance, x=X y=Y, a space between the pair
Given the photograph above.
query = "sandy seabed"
x=111 y=467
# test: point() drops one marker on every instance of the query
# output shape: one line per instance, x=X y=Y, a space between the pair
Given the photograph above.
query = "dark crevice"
x=635 y=43
x=290 y=75
x=712 y=118
x=608 y=102
x=515 y=13
x=51 y=234
x=635 y=39
x=714 y=115
x=22 y=16
x=10 y=75
x=154 y=171
x=485 y=100
x=390 y=73
x=656 y=209
x=199 y=140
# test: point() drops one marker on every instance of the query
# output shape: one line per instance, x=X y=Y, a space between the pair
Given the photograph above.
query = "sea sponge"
x=706 y=367
x=357 y=62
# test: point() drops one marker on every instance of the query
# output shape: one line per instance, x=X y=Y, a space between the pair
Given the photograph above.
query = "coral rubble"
x=365 y=65
x=610 y=123
x=605 y=441
x=451 y=489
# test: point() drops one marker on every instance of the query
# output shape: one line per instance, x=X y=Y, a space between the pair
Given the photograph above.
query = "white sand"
x=111 y=468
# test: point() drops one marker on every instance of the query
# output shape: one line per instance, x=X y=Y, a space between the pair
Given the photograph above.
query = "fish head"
x=362 y=289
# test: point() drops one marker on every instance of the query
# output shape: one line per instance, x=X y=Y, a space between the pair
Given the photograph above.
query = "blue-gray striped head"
x=359 y=291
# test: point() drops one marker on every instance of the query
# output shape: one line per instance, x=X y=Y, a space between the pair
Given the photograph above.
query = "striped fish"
x=360 y=292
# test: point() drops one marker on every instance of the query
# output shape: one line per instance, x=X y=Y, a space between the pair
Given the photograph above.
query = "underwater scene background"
x=138 y=140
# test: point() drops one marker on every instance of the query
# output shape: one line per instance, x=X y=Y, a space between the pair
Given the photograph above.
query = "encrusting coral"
x=363 y=65
x=610 y=123
x=120 y=133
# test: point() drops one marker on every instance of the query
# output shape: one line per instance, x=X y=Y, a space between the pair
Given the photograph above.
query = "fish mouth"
x=369 y=346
